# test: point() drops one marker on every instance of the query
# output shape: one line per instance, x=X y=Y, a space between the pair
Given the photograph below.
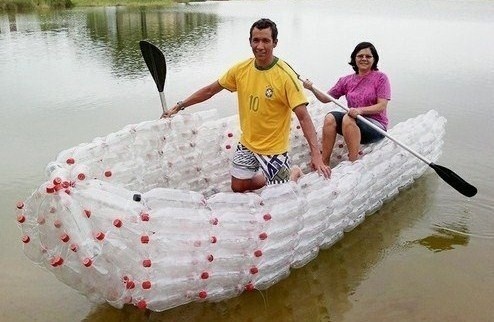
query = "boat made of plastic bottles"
x=145 y=215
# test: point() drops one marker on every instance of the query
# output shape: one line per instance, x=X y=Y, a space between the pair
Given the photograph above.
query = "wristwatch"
x=180 y=105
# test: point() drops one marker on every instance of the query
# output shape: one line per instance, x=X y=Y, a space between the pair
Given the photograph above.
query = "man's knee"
x=238 y=185
x=242 y=185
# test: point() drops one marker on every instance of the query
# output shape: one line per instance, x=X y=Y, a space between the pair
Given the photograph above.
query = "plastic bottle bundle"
x=213 y=154
x=176 y=245
x=145 y=216
x=283 y=213
x=234 y=241
x=318 y=220
x=360 y=203
x=348 y=195
x=146 y=152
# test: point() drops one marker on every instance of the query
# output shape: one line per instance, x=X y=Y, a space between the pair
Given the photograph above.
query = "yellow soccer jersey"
x=266 y=98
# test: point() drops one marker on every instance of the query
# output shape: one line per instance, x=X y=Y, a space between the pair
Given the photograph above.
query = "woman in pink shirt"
x=367 y=92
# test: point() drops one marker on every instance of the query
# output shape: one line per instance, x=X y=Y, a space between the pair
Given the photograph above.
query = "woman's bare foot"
x=295 y=173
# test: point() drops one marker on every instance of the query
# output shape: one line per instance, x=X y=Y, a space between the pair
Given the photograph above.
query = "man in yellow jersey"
x=268 y=91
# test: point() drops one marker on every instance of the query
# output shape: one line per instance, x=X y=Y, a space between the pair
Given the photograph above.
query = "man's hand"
x=178 y=107
x=319 y=166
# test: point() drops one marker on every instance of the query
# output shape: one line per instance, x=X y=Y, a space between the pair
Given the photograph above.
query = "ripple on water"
x=465 y=216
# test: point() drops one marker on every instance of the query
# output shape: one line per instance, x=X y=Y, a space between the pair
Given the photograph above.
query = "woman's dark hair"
x=263 y=24
x=359 y=47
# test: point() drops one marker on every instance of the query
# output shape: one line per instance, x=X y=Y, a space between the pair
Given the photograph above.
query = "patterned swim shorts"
x=246 y=164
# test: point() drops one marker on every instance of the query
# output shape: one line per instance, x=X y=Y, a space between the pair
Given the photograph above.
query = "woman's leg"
x=368 y=134
x=329 y=131
x=351 y=134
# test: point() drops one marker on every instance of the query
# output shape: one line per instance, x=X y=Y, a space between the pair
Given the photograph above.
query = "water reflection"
x=114 y=32
x=119 y=30
x=445 y=239
x=319 y=291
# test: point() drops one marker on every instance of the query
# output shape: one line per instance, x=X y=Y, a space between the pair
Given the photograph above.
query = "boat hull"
x=144 y=216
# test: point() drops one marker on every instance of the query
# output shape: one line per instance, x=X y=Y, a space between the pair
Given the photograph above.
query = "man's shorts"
x=246 y=164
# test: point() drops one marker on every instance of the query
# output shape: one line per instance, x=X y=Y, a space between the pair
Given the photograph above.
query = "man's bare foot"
x=295 y=173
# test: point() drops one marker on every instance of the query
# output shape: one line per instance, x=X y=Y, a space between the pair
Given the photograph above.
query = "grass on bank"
x=19 y=5
x=22 y=5
x=97 y=3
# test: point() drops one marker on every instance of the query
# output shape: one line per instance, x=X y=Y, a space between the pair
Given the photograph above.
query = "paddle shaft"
x=163 y=102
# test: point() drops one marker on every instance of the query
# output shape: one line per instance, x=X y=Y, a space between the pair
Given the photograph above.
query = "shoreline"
x=33 y=5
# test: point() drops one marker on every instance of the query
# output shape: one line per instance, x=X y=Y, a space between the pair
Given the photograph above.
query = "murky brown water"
x=67 y=77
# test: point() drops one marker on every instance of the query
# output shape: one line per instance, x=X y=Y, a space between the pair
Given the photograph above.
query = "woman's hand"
x=307 y=84
x=354 y=112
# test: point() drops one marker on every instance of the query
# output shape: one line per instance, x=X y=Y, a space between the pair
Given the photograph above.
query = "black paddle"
x=446 y=174
x=155 y=60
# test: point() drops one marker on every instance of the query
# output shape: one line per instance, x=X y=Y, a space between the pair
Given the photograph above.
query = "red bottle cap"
x=130 y=285
x=56 y=261
x=65 y=238
x=117 y=223
x=146 y=263
x=145 y=239
x=87 y=262
x=142 y=304
x=57 y=223
x=249 y=287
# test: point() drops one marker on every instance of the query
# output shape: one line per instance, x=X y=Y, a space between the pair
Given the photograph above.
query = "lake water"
x=69 y=76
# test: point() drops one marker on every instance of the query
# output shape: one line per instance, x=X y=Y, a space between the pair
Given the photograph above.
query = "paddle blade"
x=155 y=60
x=454 y=180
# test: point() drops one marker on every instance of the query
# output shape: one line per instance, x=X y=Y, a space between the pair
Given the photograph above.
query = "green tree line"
x=26 y=5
